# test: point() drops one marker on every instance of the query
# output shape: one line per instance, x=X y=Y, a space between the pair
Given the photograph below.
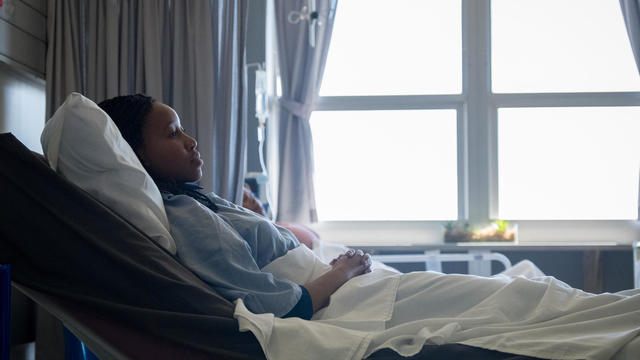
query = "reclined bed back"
x=63 y=243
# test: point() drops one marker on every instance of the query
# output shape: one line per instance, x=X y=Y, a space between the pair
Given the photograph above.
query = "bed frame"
x=121 y=294
x=479 y=260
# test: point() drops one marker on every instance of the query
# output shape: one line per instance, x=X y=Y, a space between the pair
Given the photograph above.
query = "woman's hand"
x=352 y=263
x=344 y=267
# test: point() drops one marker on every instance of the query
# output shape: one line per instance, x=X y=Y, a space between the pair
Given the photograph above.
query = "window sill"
x=530 y=233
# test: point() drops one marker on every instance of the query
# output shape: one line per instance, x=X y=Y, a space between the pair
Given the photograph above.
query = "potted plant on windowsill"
x=497 y=231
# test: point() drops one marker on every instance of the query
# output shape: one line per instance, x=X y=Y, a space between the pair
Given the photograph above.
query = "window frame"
x=477 y=123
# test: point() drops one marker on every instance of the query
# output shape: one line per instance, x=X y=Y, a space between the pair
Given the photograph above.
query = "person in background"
x=303 y=233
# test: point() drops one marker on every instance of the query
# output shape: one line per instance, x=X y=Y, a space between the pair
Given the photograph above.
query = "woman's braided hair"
x=129 y=112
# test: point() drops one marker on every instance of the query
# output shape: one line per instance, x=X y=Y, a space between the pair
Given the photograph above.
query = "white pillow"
x=82 y=143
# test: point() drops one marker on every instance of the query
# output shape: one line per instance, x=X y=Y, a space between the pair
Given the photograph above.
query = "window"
x=391 y=162
x=568 y=163
x=417 y=43
x=543 y=46
x=476 y=110
x=382 y=143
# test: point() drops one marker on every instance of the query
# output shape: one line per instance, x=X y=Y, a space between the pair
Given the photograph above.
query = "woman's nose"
x=192 y=143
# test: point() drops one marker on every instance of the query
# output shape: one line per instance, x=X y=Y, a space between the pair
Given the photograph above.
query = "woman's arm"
x=213 y=249
x=344 y=268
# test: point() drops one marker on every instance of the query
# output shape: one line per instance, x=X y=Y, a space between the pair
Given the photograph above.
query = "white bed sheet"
x=540 y=317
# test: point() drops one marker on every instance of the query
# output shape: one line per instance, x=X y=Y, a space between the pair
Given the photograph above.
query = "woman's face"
x=167 y=151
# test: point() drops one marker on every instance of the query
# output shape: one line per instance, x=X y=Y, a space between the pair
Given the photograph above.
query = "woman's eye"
x=173 y=134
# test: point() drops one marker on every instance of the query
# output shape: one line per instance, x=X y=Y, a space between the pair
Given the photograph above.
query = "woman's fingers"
x=346 y=254
x=363 y=258
x=367 y=262
x=351 y=253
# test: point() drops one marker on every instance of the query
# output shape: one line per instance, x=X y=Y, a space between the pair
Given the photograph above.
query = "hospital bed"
x=111 y=285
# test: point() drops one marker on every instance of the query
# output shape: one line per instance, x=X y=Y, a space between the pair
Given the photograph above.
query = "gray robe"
x=227 y=249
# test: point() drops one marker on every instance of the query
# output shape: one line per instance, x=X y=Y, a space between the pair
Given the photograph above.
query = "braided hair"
x=129 y=112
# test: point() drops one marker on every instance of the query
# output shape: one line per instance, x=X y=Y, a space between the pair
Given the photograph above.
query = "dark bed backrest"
x=62 y=242
x=40 y=157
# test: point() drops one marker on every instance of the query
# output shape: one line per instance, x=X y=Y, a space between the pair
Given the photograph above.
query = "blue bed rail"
x=75 y=349
x=5 y=311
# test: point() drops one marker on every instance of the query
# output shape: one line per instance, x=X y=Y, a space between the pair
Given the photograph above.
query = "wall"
x=22 y=106
x=23 y=26
x=23 y=34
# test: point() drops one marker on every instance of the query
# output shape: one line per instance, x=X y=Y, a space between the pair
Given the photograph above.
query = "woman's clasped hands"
x=352 y=263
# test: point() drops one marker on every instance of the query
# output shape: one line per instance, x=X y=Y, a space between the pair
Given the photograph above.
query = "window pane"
x=568 y=163
x=561 y=46
x=385 y=165
x=407 y=47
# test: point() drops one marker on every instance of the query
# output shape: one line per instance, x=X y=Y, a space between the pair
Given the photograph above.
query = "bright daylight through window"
x=386 y=162
x=405 y=159
x=392 y=138
x=565 y=162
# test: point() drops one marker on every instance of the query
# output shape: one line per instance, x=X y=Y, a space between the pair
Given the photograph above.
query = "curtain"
x=186 y=54
x=301 y=67
x=631 y=14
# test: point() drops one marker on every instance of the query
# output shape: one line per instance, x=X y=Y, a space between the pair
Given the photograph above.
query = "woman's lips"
x=195 y=159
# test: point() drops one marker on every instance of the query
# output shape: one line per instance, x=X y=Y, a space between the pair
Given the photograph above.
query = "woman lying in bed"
x=222 y=243
x=228 y=246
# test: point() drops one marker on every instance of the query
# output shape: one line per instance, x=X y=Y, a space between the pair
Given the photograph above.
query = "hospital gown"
x=227 y=248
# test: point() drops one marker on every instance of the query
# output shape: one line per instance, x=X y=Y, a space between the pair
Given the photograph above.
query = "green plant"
x=502 y=226
x=448 y=226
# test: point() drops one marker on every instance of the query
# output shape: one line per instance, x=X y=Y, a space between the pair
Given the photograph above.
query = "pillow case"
x=83 y=144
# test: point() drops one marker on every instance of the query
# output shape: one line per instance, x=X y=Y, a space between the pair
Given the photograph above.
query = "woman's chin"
x=197 y=176
x=191 y=178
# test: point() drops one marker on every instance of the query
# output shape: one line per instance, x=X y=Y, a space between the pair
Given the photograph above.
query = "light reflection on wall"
x=22 y=106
